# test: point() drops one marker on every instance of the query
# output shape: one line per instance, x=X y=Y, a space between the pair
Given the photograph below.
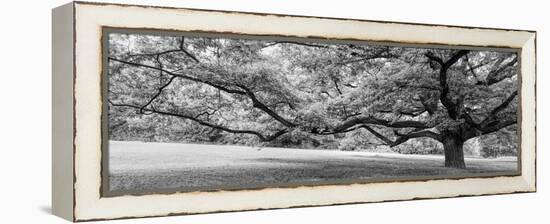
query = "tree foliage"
x=304 y=94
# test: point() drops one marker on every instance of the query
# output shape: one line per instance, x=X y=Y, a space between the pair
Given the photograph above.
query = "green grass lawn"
x=137 y=166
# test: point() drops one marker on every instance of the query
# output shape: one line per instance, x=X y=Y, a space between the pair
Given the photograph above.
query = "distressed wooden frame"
x=77 y=110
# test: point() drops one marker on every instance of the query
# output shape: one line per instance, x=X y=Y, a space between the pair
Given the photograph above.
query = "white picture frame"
x=77 y=110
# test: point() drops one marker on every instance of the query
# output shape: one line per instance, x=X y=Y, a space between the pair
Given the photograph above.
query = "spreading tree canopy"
x=283 y=92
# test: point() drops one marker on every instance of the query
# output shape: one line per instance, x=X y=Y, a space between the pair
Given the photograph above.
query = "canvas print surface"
x=200 y=112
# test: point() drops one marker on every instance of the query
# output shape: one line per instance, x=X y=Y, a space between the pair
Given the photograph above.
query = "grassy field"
x=138 y=166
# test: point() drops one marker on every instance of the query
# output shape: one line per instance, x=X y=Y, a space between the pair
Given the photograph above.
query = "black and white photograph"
x=275 y=112
x=206 y=111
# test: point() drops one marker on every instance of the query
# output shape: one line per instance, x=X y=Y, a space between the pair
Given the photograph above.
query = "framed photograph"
x=166 y=111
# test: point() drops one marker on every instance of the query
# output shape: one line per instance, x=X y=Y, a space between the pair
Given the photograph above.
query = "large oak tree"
x=275 y=90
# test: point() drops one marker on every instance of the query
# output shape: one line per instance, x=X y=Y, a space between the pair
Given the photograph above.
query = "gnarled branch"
x=411 y=113
x=247 y=92
x=263 y=138
x=493 y=76
x=452 y=107
x=491 y=117
x=402 y=137
x=495 y=126
x=217 y=86
x=377 y=121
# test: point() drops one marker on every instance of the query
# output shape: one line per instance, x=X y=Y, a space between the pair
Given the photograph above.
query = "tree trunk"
x=454 y=153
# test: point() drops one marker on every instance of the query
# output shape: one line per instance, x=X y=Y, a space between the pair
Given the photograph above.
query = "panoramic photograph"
x=191 y=112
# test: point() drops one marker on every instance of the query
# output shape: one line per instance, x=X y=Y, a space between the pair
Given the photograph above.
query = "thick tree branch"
x=432 y=57
x=469 y=119
x=333 y=132
x=258 y=104
x=262 y=137
x=386 y=140
x=492 y=115
x=494 y=76
x=247 y=92
x=455 y=58
x=505 y=103
x=491 y=123
x=402 y=137
x=411 y=113
x=453 y=108
x=220 y=87
x=371 y=120
x=495 y=126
